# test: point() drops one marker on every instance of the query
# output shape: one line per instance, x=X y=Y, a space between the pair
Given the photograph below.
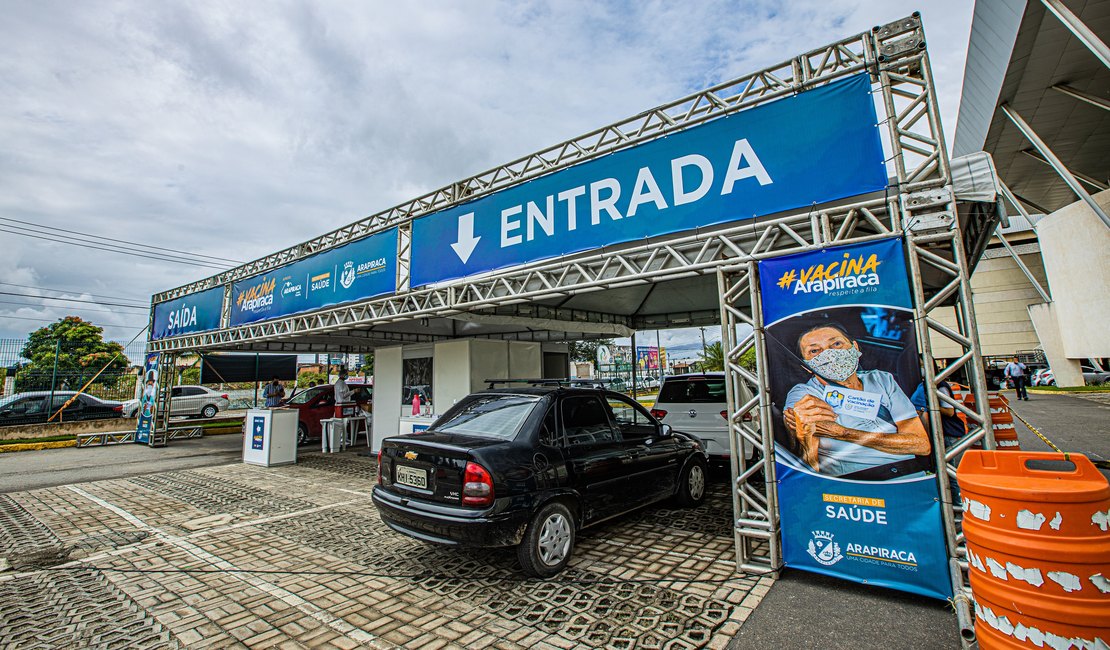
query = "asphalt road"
x=31 y=470
x=805 y=610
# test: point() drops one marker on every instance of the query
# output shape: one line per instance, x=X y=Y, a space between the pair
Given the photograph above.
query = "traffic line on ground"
x=1036 y=431
x=339 y=625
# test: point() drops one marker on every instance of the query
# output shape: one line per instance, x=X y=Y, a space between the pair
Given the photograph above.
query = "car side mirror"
x=666 y=430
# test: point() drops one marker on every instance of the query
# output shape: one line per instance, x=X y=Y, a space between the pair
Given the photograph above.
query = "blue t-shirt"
x=951 y=425
x=839 y=457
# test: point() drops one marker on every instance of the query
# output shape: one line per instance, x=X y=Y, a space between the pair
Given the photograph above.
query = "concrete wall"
x=1067 y=372
x=46 y=430
x=1076 y=249
x=1002 y=295
x=525 y=360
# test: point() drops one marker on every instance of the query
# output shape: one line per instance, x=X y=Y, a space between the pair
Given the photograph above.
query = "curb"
x=36 y=446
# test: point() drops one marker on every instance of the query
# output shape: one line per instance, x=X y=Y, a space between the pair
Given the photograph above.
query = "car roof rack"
x=565 y=382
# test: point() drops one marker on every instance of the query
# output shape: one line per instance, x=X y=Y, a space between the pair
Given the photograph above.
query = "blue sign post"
x=857 y=484
x=148 y=399
x=820 y=145
x=355 y=271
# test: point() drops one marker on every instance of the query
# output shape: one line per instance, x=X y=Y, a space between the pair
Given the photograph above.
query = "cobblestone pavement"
x=239 y=556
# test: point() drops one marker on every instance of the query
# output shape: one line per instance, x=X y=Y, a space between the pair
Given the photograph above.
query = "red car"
x=318 y=403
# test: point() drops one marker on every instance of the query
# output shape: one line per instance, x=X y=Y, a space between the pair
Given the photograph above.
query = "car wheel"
x=209 y=411
x=691 y=486
x=302 y=434
x=548 y=542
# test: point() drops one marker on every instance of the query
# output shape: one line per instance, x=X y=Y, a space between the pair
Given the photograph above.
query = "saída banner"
x=148 y=399
x=857 y=480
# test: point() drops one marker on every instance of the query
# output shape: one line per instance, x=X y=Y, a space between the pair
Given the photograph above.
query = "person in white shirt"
x=1015 y=370
x=882 y=448
x=342 y=391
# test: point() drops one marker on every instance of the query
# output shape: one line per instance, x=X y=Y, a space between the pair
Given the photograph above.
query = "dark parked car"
x=530 y=467
x=31 y=407
x=318 y=403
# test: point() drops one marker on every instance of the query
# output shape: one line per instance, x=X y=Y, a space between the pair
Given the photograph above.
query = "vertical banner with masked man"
x=148 y=398
x=857 y=480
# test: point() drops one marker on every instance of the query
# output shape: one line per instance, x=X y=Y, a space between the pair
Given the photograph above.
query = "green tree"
x=587 y=350
x=712 y=358
x=747 y=360
x=80 y=347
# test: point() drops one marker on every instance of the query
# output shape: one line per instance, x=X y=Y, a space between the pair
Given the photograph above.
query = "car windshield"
x=4 y=401
x=303 y=397
x=492 y=416
x=692 y=390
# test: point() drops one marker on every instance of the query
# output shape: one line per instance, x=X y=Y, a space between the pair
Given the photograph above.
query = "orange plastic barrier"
x=1002 y=422
x=1038 y=542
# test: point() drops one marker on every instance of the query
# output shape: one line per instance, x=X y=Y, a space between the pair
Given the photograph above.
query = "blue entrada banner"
x=817 y=146
x=197 y=312
x=857 y=484
x=356 y=271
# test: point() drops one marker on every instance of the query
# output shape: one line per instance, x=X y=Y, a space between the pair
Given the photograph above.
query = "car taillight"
x=724 y=414
x=477 y=486
x=118 y=409
x=747 y=417
x=224 y=396
x=658 y=414
x=380 y=481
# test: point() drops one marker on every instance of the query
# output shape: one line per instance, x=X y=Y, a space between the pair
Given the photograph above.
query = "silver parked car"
x=189 y=401
x=695 y=404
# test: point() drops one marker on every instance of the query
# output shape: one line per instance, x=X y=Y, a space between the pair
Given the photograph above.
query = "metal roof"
x=1021 y=55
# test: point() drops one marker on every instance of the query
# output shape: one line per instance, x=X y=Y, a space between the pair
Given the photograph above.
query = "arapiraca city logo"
x=347 y=278
x=823 y=549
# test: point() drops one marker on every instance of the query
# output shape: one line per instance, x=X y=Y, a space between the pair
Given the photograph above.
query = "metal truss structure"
x=919 y=204
x=924 y=212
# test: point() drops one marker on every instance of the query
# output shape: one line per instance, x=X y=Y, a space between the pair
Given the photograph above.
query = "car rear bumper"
x=445 y=524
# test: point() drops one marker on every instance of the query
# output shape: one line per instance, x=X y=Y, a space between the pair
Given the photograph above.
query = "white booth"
x=270 y=437
x=430 y=378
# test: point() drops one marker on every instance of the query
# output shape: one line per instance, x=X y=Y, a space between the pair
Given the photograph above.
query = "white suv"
x=696 y=404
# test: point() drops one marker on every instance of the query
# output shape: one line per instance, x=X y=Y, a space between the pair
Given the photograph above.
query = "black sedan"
x=530 y=467
x=32 y=407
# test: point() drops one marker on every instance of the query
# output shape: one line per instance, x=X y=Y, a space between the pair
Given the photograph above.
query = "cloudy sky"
x=231 y=130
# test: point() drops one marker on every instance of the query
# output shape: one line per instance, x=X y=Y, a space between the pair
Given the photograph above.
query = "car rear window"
x=491 y=416
x=692 y=390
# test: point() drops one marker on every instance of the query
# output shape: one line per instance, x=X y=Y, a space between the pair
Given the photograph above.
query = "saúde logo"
x=258 y=296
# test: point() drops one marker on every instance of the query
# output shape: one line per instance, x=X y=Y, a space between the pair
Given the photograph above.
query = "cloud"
x=237 y=129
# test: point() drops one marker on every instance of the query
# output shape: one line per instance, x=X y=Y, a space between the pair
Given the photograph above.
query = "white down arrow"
x=467 y=242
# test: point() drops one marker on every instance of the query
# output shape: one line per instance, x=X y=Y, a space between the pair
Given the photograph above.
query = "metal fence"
x=66 y=370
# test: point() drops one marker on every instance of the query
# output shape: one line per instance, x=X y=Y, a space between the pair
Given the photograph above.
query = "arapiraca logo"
x=823 y=549
x=848 y=273
x=347 y=278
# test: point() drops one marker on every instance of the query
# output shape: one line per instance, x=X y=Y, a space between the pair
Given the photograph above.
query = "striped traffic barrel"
x=1002 y=422
x=1038 y=544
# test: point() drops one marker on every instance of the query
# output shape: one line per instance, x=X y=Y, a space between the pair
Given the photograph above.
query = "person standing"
x=1015 y=371
x=342 y=391
x=274 y=392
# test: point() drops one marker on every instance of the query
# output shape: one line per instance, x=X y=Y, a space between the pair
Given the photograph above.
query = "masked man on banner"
x=851 y=423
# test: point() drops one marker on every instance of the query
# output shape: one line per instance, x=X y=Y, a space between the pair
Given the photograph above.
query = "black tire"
x=548 y=542
x=209 y=411
x=691 y=484
x=302 y=434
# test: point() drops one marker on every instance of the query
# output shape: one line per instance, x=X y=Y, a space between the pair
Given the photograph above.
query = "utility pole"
x=53 y=377
x=703 y=351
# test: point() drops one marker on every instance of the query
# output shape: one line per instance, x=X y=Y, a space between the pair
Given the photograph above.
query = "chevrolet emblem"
x=410 y=455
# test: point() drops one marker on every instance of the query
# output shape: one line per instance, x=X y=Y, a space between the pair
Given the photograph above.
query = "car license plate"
x=412 y=477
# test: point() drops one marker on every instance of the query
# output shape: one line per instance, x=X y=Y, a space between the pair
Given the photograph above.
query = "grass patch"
x=35 y=446
x=1069 y=389
x=31 y=441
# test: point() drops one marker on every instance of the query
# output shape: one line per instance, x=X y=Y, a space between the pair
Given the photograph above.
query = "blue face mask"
x=835 y=364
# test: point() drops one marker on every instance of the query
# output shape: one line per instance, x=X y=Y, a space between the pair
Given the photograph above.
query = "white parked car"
x=189 y=401
x=1091 y=375
x=695 y=404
